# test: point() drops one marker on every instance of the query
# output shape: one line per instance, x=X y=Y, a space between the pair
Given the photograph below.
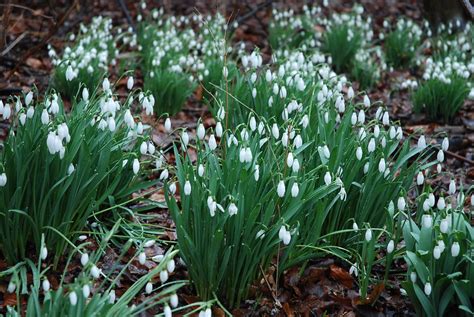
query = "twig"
x=27 y=9
x=50 y=34
x=455 y=155
x=277 y=302
x=6 y=22
x=127 y=13
x=14 y=43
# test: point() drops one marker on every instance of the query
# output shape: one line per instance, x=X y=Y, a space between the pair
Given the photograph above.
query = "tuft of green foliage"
x=342 y=43
x=402 y=43
x=441 y=100
x=62 y=167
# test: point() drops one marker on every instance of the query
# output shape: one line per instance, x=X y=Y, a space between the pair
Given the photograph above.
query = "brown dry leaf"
x=9 y=299
x=341 y=275
x=218 y=312
x=199 y=92
x=34 y=63
x=372 y=297
x=288 y=310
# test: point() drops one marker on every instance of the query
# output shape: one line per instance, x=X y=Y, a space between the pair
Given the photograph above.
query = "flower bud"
x=281 y=189
x=455 y=248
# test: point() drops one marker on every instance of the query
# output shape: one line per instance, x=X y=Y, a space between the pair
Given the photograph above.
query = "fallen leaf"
x=341 y=275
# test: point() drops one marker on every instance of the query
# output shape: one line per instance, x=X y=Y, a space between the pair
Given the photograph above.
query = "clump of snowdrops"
x=401 y=43
x=58 y=168
x=86 y=61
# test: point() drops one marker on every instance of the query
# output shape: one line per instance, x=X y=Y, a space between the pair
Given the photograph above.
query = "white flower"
x=212 y=206
x=444 y=225
x=130 y=83
x=284 y=235
x=200 y=170
x=401 y=204
x=298 y=141
x=219 y=129
x=436 y=252
x=106 y=84
x=327 y=178
x=149 y=243
x=350 y=93
x=84 y=259
x=295 y=190
x=391 y=207
x=112 y=297
x=167 y=125
x=253 y=124
x=164 y=276
x=70 y=74
x=281 y=189
x=221 y=114
x=174 y=300
x=455 y=248
x=441 y=203
x=44 y=117
x=366 y=101
x=167 y=311
x=201 y=132
x=11 y=287
x=7 y=112
x=73 y=298
x=371 y=146
x=232 y=209
x=212 y=142
x=355 y=227
x=148 y=288
x=420 y=179
x=422 y=142
x=413 y=277
x=187 y=188
x=382 y=165
x=452 y=187
x=385 y=119
x=86 y=291
x=275 y=131
x=143 y=148
x=28 y=98
x=30 y=112
x=326 y=152
x=368 y=235
x=289 y=159
x=361 y=117
x=427 y=221
x=427 y=289
x=376 y=131
x=296 y=166
x=136 y=166
x=359 y=153
x=390 y=246
x=164 y=174
x=111 y=124
x=440 y=156
x=46 y=285
x=256 y=173
x=284 y=139
x=445 y=144
x=3 y=179
x=354 y=270
x=142 y=258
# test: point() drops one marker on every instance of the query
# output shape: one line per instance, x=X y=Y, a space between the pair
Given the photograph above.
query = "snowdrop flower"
x=289 y=159
x=85 y=94
x=219 y=129
x=200 y=170
x=44 y=117
x=167 y=311
x=354 y=119
x=44 y=253
x=142 y=258
x=295 y=190
x=275 y=131
x=11 y=287
x=130 y=83
x=30 y=112
x=355 y=227
x=366 y=101
x=445 y=144
x=3 y=179
x=7 y=112
x=148 y=288
x=46 y=285
x=354 y=270
x=298 y=141
x=327 y=178
x=304 y=121
x=283 y=92
x=143 y=148
x=284 y=139
x=73 y=298
x=326 y=152
x=382 y=165
x=441 y=203
x=420 y=179
x=444 y=225
x=167 y=125
x=149 y=243
x=164 y=174
x=284 y=235
x=431 y=199
x=440 y=156
x=256 y=173
x=281 y=189
x=212 y=142
x=401 y=204
x=187 y=188
x=111 y=124
x=112 y=297
x=136 y=166
x=390 y=246
x=350 y=93
x=253 y=124
x=427 y=221
x=225 y=72
x=212 y=205
x=201 y=132
x=385 y=119
x=371 y=146
x=70 y=73
x=438 y=168
x=361 y=117
x=436 y=252
x=422 y=142
x=426 y=205
x=413 y=277
x=455 y=248
x=106 y=84
x=174 y=300
x=296 y=166
x=427 y=289
x=84 y=259
x=376 y=131
x=368 y=235
x=452 y=187
x=86 y=291
x=232 y=209
x=164 y=276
